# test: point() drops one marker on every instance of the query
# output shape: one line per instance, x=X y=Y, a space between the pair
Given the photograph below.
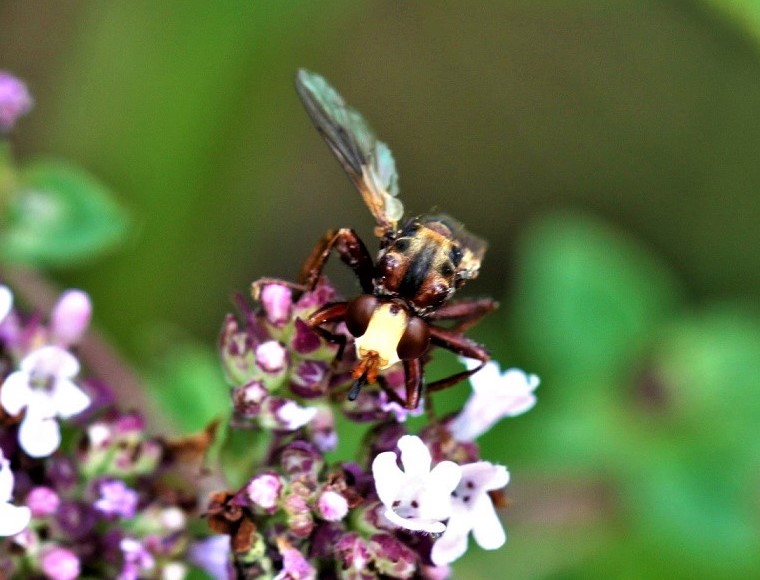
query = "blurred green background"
x=609 y=152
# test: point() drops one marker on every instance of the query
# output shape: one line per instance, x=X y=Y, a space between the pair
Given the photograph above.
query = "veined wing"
x=367 y=161
x=473 y=248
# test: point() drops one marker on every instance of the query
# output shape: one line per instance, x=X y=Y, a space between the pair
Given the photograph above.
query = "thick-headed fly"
x=421 y=263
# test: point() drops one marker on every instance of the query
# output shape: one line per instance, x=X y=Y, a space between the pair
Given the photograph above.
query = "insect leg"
x=351 y=251
x=334 y=312
x=466 y=313
x=392 y=394
x=413 y=374
x=461 y=345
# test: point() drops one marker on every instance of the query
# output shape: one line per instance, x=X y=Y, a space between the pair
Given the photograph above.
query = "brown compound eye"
x=359 y=312
x=415 y=340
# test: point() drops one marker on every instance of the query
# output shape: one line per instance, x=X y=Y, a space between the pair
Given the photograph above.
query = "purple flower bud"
x=309 y=379
x=62 y=472
x=310 y=301
x=332 y=506
x=271 y=357
x=237 y=350
x=247 y=400
x=353 y=552
x=305 y=340
x=15 y=101
x=136 y=559
x=299 y=518
x=392 y=557
x=322 y=430
x=295 y=565
x=116 y=499
x=326 y=536
x=60 y=564
x=277 y=302
x=264 y=490
x=70 y=317
x=76 y=519
x=281 y=414
x=43 y=501
x=301 y=462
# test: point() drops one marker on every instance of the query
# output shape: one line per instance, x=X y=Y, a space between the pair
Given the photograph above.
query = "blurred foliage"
x=57 y=215
x=641 y=458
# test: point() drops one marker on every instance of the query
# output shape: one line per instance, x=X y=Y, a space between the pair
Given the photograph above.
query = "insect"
x=421 y=263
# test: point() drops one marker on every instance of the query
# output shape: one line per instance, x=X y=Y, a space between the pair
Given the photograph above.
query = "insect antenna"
x=356 y=387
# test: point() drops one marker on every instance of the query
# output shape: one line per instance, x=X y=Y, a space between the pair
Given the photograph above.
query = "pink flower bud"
x=264 y=490
x=71 y=317
x=43 y=502
x=15 y=101
x=277 y=301
x=60 y=564
x=271 y=356
x=332 y=506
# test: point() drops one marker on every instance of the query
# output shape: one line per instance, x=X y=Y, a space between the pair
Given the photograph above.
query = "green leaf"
x=588 y=297
x=709 y=365
x=59 y=215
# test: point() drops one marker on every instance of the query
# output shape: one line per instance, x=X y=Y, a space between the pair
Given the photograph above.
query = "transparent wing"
x=367 y=161
x=473 y=248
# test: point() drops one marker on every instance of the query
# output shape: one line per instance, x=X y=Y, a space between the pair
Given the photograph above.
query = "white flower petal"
x=494 y=396
x=487 y=531
x=292 y=416
x=485 y=475
x=486 y=378
x=69 y=399
x=13 y=519
x=41 y=405
x=388 y=477
x=6 y=302
x=15 y=392
x=446 y=476
x=415 y=524
x=39 y=437
x=51 y=360
x=415 y=456
x=449 y=547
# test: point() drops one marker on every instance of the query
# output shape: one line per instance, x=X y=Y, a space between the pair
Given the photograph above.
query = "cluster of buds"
x=84 y=491
x=404 y=509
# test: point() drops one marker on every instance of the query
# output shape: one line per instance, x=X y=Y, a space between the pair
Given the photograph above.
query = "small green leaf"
x=588 y=297
x=58 y=215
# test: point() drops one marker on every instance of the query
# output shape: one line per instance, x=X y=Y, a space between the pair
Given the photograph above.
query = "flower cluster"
x=84 y=491
x=404 y=509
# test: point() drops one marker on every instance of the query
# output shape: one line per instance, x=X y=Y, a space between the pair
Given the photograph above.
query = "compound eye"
x=415 y=340
x=359 y=312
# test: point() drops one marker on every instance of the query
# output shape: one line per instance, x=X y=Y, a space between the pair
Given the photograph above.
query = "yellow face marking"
x=383 y=334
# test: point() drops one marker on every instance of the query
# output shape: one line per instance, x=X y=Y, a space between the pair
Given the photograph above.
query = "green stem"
x=8 y=177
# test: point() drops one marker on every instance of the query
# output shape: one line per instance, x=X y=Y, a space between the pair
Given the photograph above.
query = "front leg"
x=351 y=251
x=330 y=313
x=461 y=345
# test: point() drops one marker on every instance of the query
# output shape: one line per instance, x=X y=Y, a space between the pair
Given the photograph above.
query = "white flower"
x=6 y=302
x=472 y=511
x=13 y=519
x=416 y=498
x=292 y=416
x=494 y=395
x=44 y=387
